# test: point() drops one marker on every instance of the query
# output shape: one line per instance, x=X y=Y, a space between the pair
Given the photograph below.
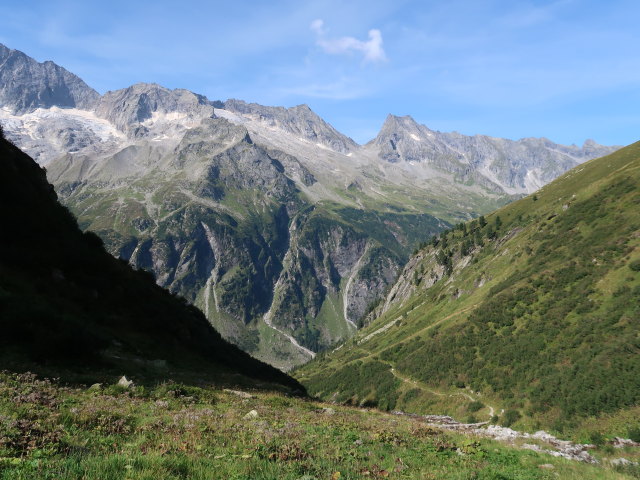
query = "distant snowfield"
x=178 y=118
x=30 y=122
x=48 y=133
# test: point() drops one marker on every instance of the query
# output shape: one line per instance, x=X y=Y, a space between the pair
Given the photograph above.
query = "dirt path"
x=424 y=387
x=414 y=334
x=457 y=312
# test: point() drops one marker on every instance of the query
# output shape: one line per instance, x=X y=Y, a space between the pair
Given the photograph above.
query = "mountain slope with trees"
x=533 y=310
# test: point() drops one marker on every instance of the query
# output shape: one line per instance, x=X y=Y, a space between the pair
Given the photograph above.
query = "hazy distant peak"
x=400 y=119
x=590 y=143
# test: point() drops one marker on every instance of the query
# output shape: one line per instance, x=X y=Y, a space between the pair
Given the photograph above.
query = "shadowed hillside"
x=68 y=307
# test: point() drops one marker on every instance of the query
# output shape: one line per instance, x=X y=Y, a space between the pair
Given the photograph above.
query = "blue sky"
x=567 y=70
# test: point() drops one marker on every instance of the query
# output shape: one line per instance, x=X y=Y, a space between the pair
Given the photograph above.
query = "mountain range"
x=282 y=230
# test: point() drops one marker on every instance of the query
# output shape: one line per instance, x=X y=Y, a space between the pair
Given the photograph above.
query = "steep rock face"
x=300 y=121
x=26 y=84
x=222 y=156
x=333 y=272
x=295 y=169
x=403 y=139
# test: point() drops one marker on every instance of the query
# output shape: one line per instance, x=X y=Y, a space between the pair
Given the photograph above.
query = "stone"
x=251 y=414
x=619 y=442
x=124 y=382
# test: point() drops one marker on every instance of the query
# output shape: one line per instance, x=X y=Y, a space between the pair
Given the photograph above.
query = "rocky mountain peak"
x=404 y=139
x=129 y=107
x=26 y=84
x=218 y=133
x=299 y=120
x=404 y=127
x=401 y=121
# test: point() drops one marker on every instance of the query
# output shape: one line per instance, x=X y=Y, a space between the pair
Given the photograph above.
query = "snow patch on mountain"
x=47 y=133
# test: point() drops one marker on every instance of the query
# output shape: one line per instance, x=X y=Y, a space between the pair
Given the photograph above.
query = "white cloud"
x=371 y=49
x=318 y=26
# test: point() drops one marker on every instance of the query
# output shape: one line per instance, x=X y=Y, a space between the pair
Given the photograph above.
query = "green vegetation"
x=535 y=307
x=171 y=430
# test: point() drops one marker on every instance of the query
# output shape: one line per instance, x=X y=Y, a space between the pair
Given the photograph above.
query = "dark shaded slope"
x=65 y=302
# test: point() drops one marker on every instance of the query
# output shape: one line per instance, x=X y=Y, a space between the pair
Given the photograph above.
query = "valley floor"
x=176 y=431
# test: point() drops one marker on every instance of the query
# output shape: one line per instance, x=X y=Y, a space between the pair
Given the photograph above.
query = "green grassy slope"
x=68 y=307
x=172 y=432
x=535 y=313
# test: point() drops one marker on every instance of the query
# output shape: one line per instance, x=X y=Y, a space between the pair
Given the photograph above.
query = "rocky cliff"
x=497 y=164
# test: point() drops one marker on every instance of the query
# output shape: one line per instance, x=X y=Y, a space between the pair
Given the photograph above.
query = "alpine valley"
x=282 y=230
x=529 y=316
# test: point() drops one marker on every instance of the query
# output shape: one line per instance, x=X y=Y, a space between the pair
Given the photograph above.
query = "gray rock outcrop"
x=130 y=107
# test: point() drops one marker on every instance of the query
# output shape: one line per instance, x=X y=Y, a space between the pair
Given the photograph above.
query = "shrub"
x=510 y=417
x=634 y=434
x=596 y=438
